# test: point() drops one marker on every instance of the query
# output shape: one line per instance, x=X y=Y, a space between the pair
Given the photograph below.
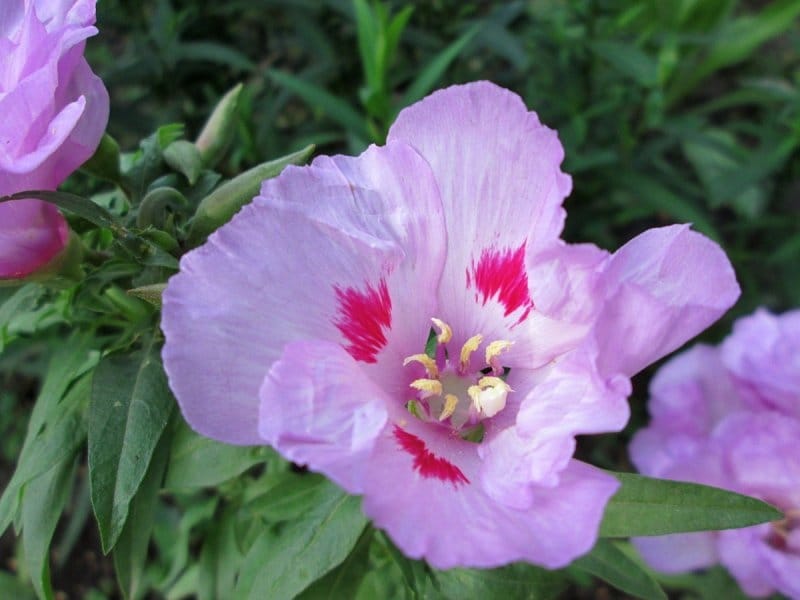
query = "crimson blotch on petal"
x=409 y=323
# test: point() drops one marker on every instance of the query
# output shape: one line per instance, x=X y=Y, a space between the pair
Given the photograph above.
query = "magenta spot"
x=426 y=462
x=501 y=274
x=363 y=318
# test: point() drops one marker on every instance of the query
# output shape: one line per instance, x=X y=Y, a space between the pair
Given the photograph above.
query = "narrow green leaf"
x=291 y=497
x=322 y=100
x=647 y=506
x=220 y=558
x=219 y=206
x=431 y=74
x=53 y=434
x=197 y=461
x=613 y=566
x=83 y=207
x=44 y=501
x=130 y=552
x=516 y=581
x=281 y=565
x=628 y=60
x=130 y=407
x=185 y=158
x=12 y=587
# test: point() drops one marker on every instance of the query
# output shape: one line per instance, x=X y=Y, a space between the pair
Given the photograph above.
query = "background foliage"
x=669 y=112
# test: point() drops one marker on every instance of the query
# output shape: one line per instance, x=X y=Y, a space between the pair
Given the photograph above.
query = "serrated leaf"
x=613 y=566
x=197 y=461
x=516 y=581
x=281 y=565
x=130 y=407
x=647 y=506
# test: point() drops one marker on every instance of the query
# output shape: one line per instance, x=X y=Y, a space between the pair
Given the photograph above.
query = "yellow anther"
x=426 y=361
x=474 y=392
x=450 y=403
x=468 y=348
x=445 y=331
x=493 y=382
x=428 y=387
x=493 y=351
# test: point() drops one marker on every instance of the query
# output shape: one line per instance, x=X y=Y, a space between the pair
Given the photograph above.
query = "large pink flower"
x=303 y=324
x=54 y=113
x=730 y=417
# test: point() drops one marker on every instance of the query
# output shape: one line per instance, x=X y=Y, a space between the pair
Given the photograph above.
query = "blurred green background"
x=679 y=111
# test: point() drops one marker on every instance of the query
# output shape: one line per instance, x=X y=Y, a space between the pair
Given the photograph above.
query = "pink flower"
x=303 y=324
x=730 y=417
x=54 y=113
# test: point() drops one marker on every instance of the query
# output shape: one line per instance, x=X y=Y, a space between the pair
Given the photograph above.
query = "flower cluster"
x=730 y=417
x=54 y=113
x=409 y=323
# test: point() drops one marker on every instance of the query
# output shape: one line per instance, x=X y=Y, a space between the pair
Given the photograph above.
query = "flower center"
x=778 y=536
x=454 y=394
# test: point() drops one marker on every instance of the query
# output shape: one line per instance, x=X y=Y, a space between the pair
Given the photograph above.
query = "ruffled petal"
x=498 y=169
x=342 y=251
x=739 y=553
x=571 y=399
x=662 y=288
x=319 y=409
x=458 y=525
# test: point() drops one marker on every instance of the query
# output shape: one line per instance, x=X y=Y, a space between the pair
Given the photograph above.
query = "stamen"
x=467 y=349
x=489 y=396
x=427 y=387
x=450 y=403
x=426 y=361
x=445 y=331
x=493 y=351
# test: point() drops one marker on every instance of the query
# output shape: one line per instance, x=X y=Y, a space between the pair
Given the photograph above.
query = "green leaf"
x=430 y=75
x=629 y=60
x=104 y=163
x=220 y=558
x=12 y=587
x=322 y=100
x=291 y=497
x=185 y=158
x=45 y=498
x=56 y=428
x=197 y=461
x=130 y=552
x=130 y=407
x=647 y=506
x=516 y=581
x=344 y=580
x=219 y=206
x=83 y=207
x=281 y=565
x=613 y=566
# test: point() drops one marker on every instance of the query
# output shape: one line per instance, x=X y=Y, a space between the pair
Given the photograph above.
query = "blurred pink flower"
x=409 y=323
x=730 y=417
x=54 y=113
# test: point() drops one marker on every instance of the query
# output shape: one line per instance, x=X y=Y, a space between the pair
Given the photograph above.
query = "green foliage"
x=685 y=111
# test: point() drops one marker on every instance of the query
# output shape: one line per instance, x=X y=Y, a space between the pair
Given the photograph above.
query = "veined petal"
x=338 y=251
x=319 y=409
x=498 y=169
x=459 y=525
x=662 y=288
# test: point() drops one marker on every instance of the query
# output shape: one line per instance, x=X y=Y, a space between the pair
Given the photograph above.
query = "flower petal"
x=302 y=262
x=31 y=234
x=460 y=526
x=571 y=399
x=679 y=552
x=498 y=170
x=662 y=288
x=319 y=409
